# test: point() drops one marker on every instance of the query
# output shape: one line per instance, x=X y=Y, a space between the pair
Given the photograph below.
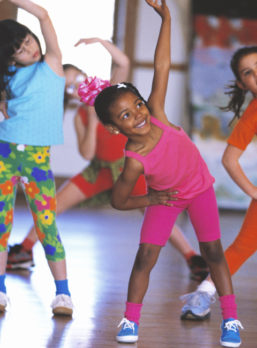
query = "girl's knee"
x=212 y=251
x=146 y=257
x=54 y=251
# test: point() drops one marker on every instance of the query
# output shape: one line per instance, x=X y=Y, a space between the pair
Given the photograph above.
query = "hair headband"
x=90 y=88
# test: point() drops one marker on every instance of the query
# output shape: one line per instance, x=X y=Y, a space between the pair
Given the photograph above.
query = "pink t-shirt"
x=175 y=163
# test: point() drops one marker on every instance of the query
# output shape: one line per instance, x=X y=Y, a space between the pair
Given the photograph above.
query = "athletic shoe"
x=198 y=267
x=3 y=301
x=18 y=257
x=230 y=336
x=128 y=332
x=197 y=306
x=62 y=305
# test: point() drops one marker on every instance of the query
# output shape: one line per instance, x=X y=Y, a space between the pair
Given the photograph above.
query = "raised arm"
x=53 y=54
x=87 y=136
x=121 y=64
x=161 y=61
x=230 y=161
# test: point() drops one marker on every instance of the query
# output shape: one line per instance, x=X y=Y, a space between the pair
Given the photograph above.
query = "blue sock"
x=62 y=287
x=2 y=283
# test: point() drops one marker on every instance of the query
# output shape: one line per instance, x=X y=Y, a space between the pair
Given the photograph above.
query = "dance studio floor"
x=100 y=246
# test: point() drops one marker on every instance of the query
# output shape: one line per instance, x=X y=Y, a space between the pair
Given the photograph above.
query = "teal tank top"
x=36 y=107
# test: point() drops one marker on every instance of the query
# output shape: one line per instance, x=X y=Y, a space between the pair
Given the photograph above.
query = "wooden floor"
x=100 y=246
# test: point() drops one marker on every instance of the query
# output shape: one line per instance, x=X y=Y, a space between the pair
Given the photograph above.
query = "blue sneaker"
x=197 y=306
x=128 y=332
x=230 y=336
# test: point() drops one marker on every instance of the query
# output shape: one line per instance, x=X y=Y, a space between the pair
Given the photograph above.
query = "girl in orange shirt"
x=244 y=67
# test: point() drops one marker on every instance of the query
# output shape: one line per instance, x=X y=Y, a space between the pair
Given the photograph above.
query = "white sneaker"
x=3 y=301
x=62 y=305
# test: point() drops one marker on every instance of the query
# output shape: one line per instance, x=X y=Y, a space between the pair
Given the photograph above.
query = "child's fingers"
x=152 y=3
x=78 y=43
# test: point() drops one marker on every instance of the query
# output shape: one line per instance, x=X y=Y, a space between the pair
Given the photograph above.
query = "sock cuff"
x=207 y=286
x=62 y=287
x=228 y=299
x=132 y=312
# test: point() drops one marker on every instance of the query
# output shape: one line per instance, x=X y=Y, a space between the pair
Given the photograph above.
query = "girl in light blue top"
x=31 y=100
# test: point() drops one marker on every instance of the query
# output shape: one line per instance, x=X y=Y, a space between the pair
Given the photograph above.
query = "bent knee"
x=146 y=257
x=212 y=251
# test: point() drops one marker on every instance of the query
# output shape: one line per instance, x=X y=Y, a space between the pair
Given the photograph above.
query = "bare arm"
x=120 y=60
x=230 y=161
x=161 y=62
x=53 y=54
x=87 y=136
x=121 y=192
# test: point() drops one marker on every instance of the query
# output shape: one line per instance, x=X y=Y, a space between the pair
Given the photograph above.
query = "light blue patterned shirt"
x=35 y=108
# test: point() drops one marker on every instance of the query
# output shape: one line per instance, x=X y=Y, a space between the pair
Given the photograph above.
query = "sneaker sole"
x=230 y=344
x=127 y=339
x=63 y=311
x=189 y=315
x=21 y=265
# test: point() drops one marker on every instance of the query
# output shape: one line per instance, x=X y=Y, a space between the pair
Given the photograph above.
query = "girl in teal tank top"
x=31 y=92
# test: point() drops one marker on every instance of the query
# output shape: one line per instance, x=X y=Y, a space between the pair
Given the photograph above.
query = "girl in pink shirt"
x=177 y=178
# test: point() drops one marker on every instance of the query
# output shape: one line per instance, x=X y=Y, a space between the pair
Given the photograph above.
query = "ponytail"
x=237 y=98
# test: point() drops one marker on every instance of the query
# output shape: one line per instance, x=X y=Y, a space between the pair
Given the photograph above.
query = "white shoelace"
x=127 y=324
x=233 y=325
x=62 y=300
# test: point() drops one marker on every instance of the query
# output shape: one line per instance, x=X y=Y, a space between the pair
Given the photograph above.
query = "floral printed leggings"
x=29 y=165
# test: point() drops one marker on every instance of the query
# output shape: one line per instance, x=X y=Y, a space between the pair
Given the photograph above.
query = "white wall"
x=65 y=158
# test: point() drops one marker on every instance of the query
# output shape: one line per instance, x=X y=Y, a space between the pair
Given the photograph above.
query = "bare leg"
x=146 y=258
x=219 y=271
x=58 y=269
x=3 y=261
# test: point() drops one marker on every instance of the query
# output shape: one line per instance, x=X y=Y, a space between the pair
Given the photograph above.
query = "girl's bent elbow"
x=44 y=16
x=115 y=204
x=225 y=161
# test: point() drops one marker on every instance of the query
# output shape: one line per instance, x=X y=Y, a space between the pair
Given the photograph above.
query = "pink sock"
x=132 y=312
x=228 y=306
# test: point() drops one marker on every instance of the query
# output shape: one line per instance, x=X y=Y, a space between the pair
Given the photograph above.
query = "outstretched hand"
x=3 y=105
x=162 y=197
x=162 y=9
x=87 y=41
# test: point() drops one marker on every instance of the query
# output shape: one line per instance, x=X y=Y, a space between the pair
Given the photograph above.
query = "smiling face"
x=28 y=53
x=247 y=69
x=130 y=115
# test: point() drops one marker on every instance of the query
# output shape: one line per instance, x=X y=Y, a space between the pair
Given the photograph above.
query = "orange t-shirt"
x=245 y=128
x=109 y=147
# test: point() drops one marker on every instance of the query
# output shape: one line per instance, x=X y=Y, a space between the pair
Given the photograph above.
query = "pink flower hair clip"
x=90 y=88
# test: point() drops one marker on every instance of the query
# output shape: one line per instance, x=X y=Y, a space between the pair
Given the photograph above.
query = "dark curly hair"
x=109 y=95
